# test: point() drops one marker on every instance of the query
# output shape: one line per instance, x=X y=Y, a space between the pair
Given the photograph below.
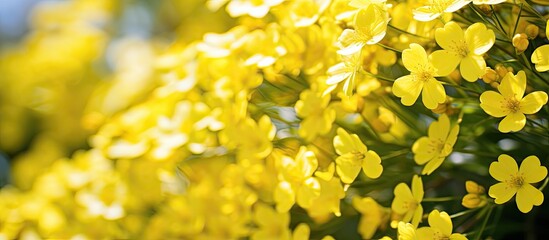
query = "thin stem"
x=544 y=184
x=516 y=23
x=497 y=20
x=380 y=77
x=440 y=199
x=389 y=48
x=395 y=154
x=406 y=32
x=479 y=235
x=459 y=214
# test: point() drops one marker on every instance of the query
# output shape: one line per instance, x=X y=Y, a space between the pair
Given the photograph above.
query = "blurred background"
x=67 y=66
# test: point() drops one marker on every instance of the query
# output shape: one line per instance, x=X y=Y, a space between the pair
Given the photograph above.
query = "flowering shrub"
x=295 y=120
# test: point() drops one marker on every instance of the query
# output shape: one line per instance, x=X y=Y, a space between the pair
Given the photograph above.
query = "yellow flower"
x=421 y=79
x=297 y=181
x=272 y=224
x=347 y=71
x=317 y=118
x=370 y=28
x=373 y=216
x=435 y=8
x=437 y=146
x=331 y=192
x=540 y=56
x=509 y=103
x=353 y=156
x=407 y=202
x=406 y=231
x=464 y=49
x=476 y=195
x=440 y=228
x=514 y=180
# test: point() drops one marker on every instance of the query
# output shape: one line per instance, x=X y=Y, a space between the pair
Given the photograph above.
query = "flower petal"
x=540 y=57
x=533 y=102
x=418 y=215
x=433 y=94
x=479 y=39
x=513 y=86
x=415 y=58
x=532 y=170
x=417 y=188
x=347 y=169
x=408 y=89
x=513 y=122
x=307 y=192
x=432 y=165
x=527 y=197
x=403 y=195
x=501 y=193
x=449 y=36
x=472 y=67
x=423 y=151
x=503 y=168
x=444 y=61
x=284 y=196
x=424 y=233
x=439 y=130
x=441 y=221
x=371 y=165
x=425 y=13
x=492 y=103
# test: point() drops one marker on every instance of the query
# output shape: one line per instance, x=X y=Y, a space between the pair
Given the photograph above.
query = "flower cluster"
x=294 y=120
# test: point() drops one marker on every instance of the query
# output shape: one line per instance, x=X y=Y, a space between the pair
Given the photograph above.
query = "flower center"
x=516 y=181
x=461 y=48
x=424 y=76
x=358 y=155
x=436 y=146
x=512 y=104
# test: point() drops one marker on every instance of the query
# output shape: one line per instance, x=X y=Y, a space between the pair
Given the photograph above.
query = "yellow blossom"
x=440 y=228
x=435 y=8
x=347 y=71
x=515 y=180
x=331 y=192
x=406 y=231
x=317 y=118
x=465 y=49
x=437 y=146
x=353 y=156
x=407 y=202
x=511 y=104
x=370 y=28
x=373 y=216
x=272 y=224
x=297 y=182
x=421 y=79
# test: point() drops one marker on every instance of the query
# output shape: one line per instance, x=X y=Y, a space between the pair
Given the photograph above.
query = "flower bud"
x=473 y=187
x=501 y=70
x=473 y=200
x=531 y=31
x=520 y=42
x=490 y=75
